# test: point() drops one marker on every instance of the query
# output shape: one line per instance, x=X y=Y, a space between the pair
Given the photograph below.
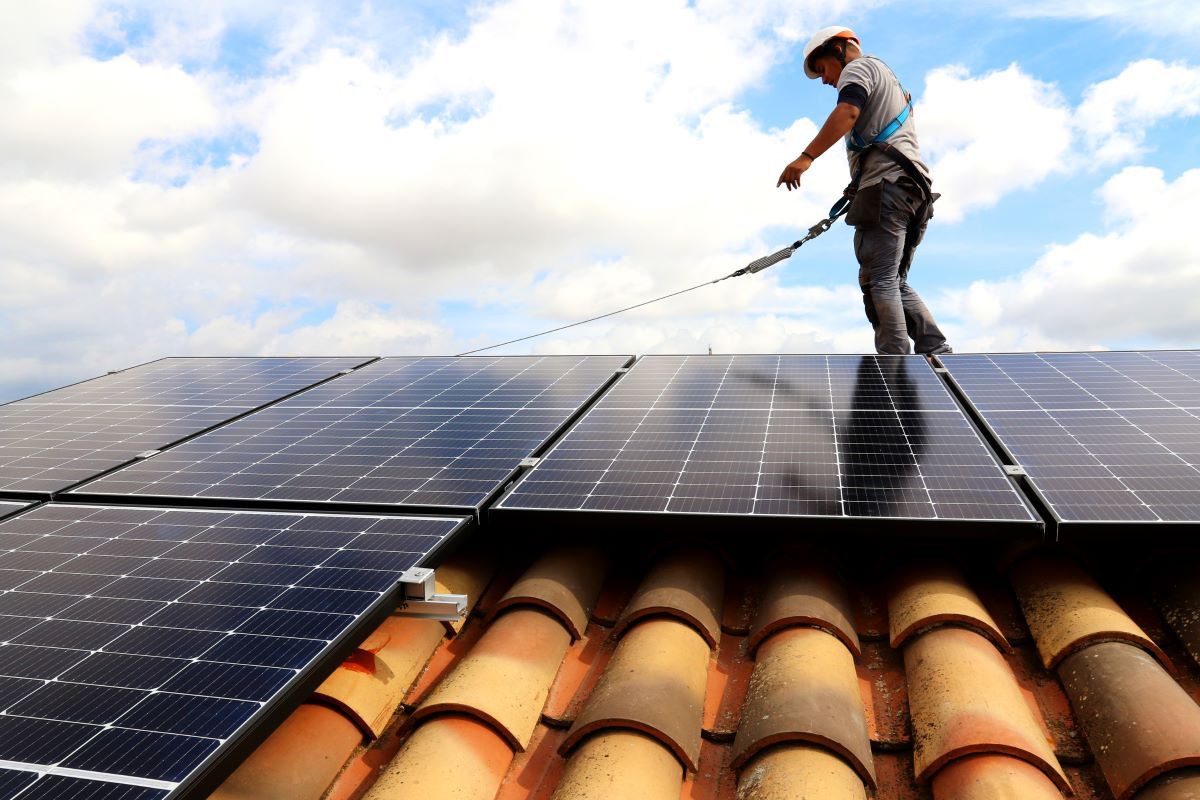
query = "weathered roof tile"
x=1138 y=721
x=933 y=592
x=965 y=700
x=454 y=757
x=655 y=684
x=1181 y=784
x=804 y=592
x=506 y=677
x=799 y=772
x=621 y=765
x=688 y=584
x=565 y=582
x=805 y=688
x=1176 y=592
x=992 y=777
x=1066 y=609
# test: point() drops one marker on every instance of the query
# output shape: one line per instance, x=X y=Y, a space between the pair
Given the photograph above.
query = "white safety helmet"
x=820 y=38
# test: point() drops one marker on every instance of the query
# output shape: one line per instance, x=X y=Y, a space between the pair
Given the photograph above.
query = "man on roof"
x=891 y=187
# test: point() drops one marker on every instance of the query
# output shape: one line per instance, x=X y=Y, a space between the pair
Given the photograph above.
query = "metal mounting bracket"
x=941 y=370
x=1015 y=470
x=422 y=601
x=147 y=453
x=532 y=461
x=346 y=371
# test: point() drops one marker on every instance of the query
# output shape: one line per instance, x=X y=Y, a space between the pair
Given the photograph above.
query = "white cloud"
x=1115 y=114
x=1133 y=282
x=1162 y=18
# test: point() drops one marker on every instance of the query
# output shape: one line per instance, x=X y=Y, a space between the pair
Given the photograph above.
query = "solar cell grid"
x=137 y=670
x=431 y=433
x=54 y=440
x=769 y=436
x=1104 y=437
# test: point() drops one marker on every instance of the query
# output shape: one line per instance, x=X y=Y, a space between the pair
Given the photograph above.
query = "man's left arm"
x=840 y=122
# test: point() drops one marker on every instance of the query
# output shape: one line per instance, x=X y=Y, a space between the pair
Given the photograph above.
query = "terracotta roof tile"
x=1066 y=609
x=565 y=582
x=655 y=684
x=1138 y=721
x=370 y=685
x=469 y=573
x=621 y=765
x=805 y=688
x=1177 y=595
x=1182 y=784
x=728 y=681
x=298 y=760
x=581 y=669
x=451 y=757
x=505 y=678
x=933 y=592
x=688 y=584
x=803 y=592
x=988 y=777
x=799 y=772
x=965 y=700
x=885 y=696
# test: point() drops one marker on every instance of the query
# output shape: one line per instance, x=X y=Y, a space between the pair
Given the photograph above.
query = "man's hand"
x=790 y=177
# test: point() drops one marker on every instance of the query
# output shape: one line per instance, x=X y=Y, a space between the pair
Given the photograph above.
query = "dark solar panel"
x=54 y=440
x=7 y=508
x=430 y=433
x=138 y=644
x=775 y=436
x=1104 y=437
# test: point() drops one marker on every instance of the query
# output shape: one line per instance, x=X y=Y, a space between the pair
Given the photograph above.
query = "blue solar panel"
x=758 y=437
x=1105 y=438
x=139 y=645
x=54 y=440
x=422 y=433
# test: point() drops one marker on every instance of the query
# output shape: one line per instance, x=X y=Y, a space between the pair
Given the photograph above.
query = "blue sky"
x=421 y=177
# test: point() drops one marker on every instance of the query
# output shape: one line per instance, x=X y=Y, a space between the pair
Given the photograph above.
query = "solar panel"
x=1104 y=437
x=837 y=438
x=424 y=433
x=54 y=440
x=7 y=508
x=139 y=646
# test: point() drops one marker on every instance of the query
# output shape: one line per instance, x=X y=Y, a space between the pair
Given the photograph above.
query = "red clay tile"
x=615 y=595
x=896 y=782
x=805 y=688
x=451 y=756
x=799 y=772
x=1138 y=721
x=1182 y=784
x=1087 y=782
x=738 y=610
x=565 y=582
x=444 y=659
x=885 y=696
x=800 y=592
x=467 y=572
x=988 y=777
x=506 y=677
x=997 y=597
x=688 y=584
x=370 y=685
x=655 y=684
x=728 y=680
x=535 y=772
x=298 y=761
x=619 y=764
x=965 y=700
x=1066 y=609
x=1176 y=592
x=869 y=602
x=1050 y=699
x=713 y=779
x=932 y=592
x=583 y=658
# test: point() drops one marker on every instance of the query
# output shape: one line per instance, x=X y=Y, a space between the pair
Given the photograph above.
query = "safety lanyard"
x=857 y=143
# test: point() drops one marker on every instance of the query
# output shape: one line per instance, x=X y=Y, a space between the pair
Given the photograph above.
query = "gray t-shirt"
x=885 y=101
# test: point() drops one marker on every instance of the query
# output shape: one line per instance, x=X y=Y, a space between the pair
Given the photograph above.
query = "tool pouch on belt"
x=866 y=205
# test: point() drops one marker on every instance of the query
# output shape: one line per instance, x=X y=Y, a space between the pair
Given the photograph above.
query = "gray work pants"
x=894 y=308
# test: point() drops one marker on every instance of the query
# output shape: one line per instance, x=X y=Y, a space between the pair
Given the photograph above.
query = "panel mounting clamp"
x=532 y=461
x=147 y=453
x=941 y=370
x=422 y=601
x=1015 y=471
x=346 y=371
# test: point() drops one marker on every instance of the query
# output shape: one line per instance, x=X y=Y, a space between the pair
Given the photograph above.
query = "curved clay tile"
x=369 y=685
x=799 y=592
x=964 y=699
x=1138 y=722
x=926 y=594
x=468 y=572
x=449 y=757
x=655 y=684
x=1067 y=610
x=1182 y=784
x=688 y=584
x=1177 y=595
x=805 y=688
x=989 y=777
x=505 y=678
x=799 y=772
x=298 y=761
x=565 y=582
x=621 y=765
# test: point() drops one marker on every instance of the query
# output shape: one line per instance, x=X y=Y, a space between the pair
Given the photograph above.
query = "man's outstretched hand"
x=790 y=177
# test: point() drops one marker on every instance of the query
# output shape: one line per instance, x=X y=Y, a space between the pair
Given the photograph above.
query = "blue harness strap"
x=857 y=143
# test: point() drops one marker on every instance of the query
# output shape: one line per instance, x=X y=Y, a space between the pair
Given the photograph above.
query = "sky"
x=245 y=177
